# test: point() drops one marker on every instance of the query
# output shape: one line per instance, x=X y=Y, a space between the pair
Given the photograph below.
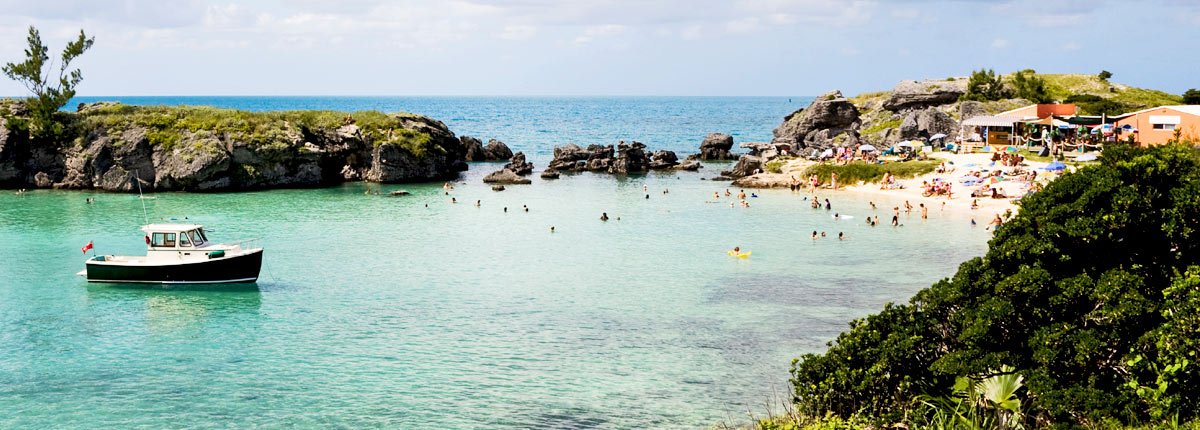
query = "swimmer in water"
x=972 y=222
x=841 y=236
x=737 y=250
x=827 y=205
x=716 y=195
x=452 y=200
x=814 y=236
x=526 y=208
x=604 y=216
x=665 y=191
x=727 y=193
x=924 y=211
x=742 y=194
x=822 y=234
x=552 y=229
x=872 y=205
x=477 y=203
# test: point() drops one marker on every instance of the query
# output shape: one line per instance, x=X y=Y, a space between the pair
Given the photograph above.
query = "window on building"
x=1164 y=126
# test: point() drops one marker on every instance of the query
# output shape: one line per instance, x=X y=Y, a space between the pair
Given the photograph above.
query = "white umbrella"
x=937 y=136
x=867 y=148
x=828 y=153
x=905 y=144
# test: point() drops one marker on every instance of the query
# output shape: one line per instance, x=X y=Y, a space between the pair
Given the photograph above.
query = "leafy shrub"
x=1191 y=97
x=864 y=172
x=1104 y=75
x=1097 y=269
x=984 y=85
x=1030 y=87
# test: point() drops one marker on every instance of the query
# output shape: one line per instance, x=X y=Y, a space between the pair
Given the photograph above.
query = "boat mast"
x=138 y=178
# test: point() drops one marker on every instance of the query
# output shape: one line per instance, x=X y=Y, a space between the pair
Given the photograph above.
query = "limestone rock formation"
x=716 y=146
x=816 y=127
x=916 y=95
x=497 y=150
x=927 y=122
x=513 y=172
x=970 y=109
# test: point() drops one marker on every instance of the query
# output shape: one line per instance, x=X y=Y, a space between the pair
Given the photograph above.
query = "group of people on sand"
x=1008 y=160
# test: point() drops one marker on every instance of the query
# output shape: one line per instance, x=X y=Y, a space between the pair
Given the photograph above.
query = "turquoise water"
x=379 y=312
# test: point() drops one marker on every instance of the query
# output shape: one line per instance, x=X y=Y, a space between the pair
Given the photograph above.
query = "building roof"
x=1188 y=109
x=991 y=121
x=1009 y=112
x=170 y=227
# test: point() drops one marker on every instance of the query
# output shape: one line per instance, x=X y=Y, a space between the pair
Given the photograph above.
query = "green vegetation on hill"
x=167 y=123
x=1093 y=94
x=1091 y=293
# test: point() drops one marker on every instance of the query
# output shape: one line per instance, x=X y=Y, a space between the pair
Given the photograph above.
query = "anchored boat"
x=179 y=254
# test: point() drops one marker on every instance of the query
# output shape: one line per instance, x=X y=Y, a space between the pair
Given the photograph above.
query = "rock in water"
x=830 y=119
x=549 y=174
x=716 y=146
x=497 y=150
x=474 y=148
x=746 y=166
x=518 y=165
x=688 y=165
x=497 y=188
x=631 y=158
x=398 y=193
x=505 y=176
x=663 y=160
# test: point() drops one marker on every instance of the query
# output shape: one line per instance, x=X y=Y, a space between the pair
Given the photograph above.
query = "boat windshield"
x=162 y=240
x=184 y=242
x=197 y=237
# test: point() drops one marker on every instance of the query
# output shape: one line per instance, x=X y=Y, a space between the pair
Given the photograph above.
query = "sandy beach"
x=911 y=191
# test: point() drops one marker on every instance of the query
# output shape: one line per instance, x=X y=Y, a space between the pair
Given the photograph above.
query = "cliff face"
x=208 y=149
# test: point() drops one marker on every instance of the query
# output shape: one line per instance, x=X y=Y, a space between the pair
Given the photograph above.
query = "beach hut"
x=992 y=130
x=1156 y=126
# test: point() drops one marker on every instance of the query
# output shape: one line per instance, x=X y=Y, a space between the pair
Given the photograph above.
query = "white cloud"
x=596 y=31
x=1000 y=43
x=742 y=25
x=517 y=32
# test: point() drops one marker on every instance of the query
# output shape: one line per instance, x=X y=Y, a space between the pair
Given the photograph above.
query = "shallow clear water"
x=379 y=312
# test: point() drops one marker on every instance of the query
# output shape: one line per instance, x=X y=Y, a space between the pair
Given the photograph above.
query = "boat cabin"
x=175 y=237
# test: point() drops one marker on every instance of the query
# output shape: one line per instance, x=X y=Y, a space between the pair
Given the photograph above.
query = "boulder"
x=570 y=157
x=398 y=193
x=663 y=159
x=922 y=124
x=497 y=188
x=474 y=148
x=828 y=116
x=631 y=158
x=747 y=165
x=505 y=176
x=600 y=157
x=971 y=109
x=549 y=173
x=688 y=165
x=716 y=146
x=518 y=165
x=918 y=95
x=497 y=150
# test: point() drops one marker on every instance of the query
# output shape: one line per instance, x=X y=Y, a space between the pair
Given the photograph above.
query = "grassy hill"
x=1062 y=86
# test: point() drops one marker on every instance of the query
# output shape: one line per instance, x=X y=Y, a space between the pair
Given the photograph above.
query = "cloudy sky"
x=598 y=47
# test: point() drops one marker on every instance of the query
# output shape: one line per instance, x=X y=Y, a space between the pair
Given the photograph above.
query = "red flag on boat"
x=87 y=247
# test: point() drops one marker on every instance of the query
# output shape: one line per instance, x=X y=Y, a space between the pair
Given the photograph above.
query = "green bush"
x=864 y=172
x=1191 y=97
x=984 y=85
x=1090 y=292
x=1030 y=87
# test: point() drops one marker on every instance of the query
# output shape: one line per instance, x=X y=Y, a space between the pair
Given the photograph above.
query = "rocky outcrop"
x=513 y=172
x=688 y=164
x=922 y=124
x=716 y=146
x=917 y=95
x=497 y=150
x=970 y=109
x=627 y=158
x=118 y=149
x=747 y=165
x=550 y=174
x=829 y=118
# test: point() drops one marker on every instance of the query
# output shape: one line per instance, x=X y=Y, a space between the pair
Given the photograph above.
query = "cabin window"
x=196 y=238
x=170 y=242
x=1164 y=126
x=203 y=237
x=158 y=239
x=183 y=240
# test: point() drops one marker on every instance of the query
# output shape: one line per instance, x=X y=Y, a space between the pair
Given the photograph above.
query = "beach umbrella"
x=1057 y=165
x=994 y=180
x=1086 y=157
x=867 y=148
x=937 y=136
x=1012 y=149
x=905 y=144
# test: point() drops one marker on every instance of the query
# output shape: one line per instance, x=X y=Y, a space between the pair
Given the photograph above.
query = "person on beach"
x=972 y=222
x=924 y=211
x=603 y=215
x=813 y=183
x=833 y=180
x=975 y=204
x=647 y=197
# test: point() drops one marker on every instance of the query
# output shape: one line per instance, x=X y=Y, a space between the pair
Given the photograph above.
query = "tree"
x=35 y=74
x=1191 y=97
x=984 y=85
x=1097 y=270
x=1030 y=87
x=1104 y=75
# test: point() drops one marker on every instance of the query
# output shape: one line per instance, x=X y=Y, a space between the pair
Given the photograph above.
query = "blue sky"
x=599 y=47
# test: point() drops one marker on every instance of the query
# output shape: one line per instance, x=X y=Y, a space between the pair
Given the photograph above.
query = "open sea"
x=415 y=312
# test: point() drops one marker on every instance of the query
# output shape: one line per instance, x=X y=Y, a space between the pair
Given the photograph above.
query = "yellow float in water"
x=739 y=255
